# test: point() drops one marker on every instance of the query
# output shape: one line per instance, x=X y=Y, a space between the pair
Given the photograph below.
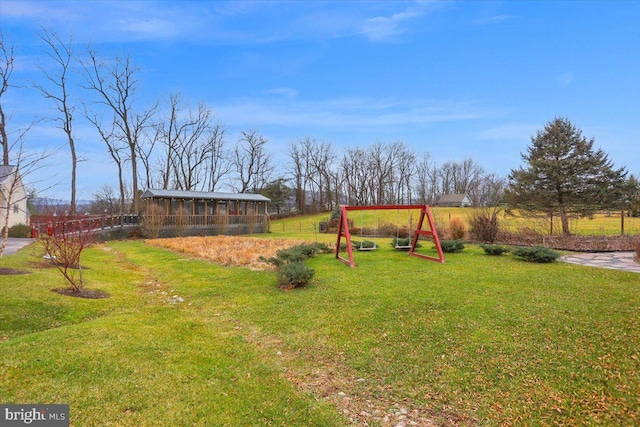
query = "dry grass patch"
x=228 y=250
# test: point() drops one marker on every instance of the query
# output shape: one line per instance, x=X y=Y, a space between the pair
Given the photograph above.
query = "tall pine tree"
x=564 y=176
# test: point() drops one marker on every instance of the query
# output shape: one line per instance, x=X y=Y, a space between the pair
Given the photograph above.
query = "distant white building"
x=13 y=197
x=455 y=200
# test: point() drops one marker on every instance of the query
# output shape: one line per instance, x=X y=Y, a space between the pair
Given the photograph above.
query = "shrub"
x=451 y=246
x=539 y=254
x=343 y=246
x=20 y=230
x=494 y=249
x=483 y=225
x=153 y=219
x=294 y=275
x=292 y=272
x=457 y=228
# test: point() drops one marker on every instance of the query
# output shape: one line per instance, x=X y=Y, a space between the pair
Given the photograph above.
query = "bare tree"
x=115 y=148
x=7 y=58
x=404 y=170
x=355 y=168
x=61 y=54
x=299 y=170
x=251 y=161
x=193 y=145
x=106 y=201
x=218 y=163
x=115 y=84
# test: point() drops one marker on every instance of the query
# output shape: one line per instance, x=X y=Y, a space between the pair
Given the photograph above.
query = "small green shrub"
x=20 y=230
x=494 y=249
x=292 y=272
x=343 y=246
x=294 y=275
x=452 y=246
x=539 y=254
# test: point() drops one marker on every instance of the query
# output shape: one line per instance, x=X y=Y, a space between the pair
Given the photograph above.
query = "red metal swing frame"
x=425 y=213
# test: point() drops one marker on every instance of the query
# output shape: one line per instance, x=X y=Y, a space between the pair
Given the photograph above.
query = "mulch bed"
x=83 y=293
x=9 y=271
x=573 y=243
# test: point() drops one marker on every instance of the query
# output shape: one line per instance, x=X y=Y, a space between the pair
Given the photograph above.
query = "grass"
x=478 y=340
x=604 y=223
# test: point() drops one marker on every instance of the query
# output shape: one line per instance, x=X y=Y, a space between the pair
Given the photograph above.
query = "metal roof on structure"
x=203 y=195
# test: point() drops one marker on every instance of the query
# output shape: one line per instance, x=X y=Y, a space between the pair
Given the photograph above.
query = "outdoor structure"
x=198 y=212
x=13 y=197
x=455 y=200
x=425 y=214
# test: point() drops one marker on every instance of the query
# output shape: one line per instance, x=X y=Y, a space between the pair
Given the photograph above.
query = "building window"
x=16 y=209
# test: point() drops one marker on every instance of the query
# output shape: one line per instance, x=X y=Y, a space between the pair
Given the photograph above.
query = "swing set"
x=425 y=213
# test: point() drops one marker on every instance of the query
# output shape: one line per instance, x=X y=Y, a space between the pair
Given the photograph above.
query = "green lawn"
x=476 y=341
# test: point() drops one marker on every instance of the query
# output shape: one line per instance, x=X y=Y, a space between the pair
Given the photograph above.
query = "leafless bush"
x=457 y=228
x=182 y=222
x=483 y=225
x=152 y=221
x=63 y=244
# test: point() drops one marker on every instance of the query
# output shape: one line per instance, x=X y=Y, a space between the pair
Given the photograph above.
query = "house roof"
x=203 y=195
x=454 y=198
x=6 y=172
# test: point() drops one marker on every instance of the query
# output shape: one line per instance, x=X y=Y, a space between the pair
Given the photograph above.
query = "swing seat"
x=368 y=249
x=363 y=248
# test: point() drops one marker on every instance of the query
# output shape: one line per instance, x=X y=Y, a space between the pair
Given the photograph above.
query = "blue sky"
x=455 y=79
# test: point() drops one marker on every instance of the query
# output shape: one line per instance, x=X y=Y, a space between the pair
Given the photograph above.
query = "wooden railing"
x=176 y=221
x=109 y=222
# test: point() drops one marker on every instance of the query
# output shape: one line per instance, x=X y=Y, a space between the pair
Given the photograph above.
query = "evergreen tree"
x=563 y=175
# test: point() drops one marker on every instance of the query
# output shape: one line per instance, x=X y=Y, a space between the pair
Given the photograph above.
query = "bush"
x=483 y=225
x=457 y=228
x=494 y=249
x=539 y=254
x=153 y=218
x=292 y=272
x=294 y=275
x=20 y=230
x=451 y=246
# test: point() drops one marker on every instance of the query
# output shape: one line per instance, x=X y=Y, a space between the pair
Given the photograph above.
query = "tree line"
x=171 y=144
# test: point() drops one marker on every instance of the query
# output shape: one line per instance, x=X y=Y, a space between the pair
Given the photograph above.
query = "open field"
x=477 y=341
x=307 y=226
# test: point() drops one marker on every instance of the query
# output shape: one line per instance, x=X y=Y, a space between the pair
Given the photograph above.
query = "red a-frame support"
x=425 y=212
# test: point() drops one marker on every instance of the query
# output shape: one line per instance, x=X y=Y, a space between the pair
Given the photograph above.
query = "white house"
x=13 y=197
x=455 y=200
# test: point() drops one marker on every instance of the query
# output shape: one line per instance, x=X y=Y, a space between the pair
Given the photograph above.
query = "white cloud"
x=565 y=78
x=511 y=132
x=381 y=28
x=286 y=92
x=349 y=113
